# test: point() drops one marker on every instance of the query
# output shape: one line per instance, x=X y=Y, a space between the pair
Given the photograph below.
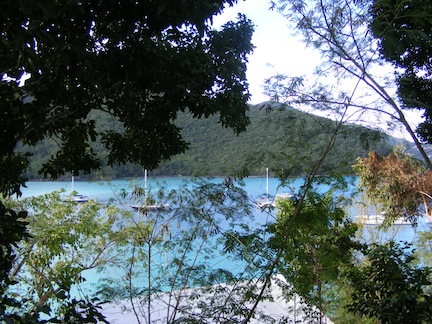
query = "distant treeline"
x=286 y=140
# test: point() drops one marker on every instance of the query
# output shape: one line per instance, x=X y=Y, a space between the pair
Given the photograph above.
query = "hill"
x=286 y=140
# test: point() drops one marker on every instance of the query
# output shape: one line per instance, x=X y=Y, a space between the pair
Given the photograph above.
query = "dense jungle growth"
x=107 y=88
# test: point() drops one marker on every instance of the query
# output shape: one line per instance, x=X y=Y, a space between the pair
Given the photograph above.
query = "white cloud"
x=277 y=50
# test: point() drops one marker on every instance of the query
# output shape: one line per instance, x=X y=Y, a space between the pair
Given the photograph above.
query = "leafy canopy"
x=139 y=61
x=404 y=31
x=317 y=240
x=349 y=83
x=64 y=240
x=389 y=287
x=400 y=185
x=140 y=258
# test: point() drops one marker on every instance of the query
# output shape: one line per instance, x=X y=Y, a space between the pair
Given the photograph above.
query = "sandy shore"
x=166 y=307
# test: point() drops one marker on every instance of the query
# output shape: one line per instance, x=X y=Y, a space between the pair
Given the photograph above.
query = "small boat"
x=79 y=198
x=379 y=220
x=268 y=201
x=76 y=197
x=264 y=203
x=284 y=195
x=146 y=206
x=149 y=207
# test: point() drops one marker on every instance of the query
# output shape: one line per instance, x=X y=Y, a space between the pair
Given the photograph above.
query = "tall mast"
x=145 y=186
x=267 y=186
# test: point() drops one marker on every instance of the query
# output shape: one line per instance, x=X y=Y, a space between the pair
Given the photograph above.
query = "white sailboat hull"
x=144 y=207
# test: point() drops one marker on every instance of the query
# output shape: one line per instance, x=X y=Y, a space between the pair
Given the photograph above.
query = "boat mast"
x=145 y=186
x=267 y=186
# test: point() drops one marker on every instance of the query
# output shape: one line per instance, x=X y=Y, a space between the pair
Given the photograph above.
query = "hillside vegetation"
x=286 y=140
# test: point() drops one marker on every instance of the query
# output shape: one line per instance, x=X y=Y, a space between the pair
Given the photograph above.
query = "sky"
x=277 y=50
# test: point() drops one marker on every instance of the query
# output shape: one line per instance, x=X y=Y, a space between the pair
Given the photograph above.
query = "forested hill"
x=283 y=139
x=286 y=140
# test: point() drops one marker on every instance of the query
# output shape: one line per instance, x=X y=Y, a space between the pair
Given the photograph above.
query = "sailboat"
x=146 y=206
x=379 y=219
x=266 y=202
x=76 y=197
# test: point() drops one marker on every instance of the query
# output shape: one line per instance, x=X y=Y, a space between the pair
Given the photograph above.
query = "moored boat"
x=147 y=205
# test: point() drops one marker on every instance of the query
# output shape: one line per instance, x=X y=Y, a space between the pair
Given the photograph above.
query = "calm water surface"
x=255 y=187
x=103 y=191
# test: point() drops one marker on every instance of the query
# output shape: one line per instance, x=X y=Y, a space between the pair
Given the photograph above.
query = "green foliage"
x=80 y=311
x=423 y=244
x=308 y=244
x=317 y=242
x=12 y=231
x=403 y=29
x=65 y=240
x=287 y=140
x=339 y=296
x=143 y=257
x=12 y=166
x=389 y=287
x=141 y=63
x=349 y=83
x=177 y=248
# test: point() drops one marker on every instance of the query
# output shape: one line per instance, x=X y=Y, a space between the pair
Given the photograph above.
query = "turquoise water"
x=255 y=187
x=104 y=190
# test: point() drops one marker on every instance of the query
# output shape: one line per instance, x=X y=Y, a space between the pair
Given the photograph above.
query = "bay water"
x=254 y=186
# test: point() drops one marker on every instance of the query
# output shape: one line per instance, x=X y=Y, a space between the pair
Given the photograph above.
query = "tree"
x=12 y=231
x=146 y=260
x=308 y=243
x=137 y=61
x=404 y=31
x=64 y=240
x=173 y=268
x=270 y=261
x=397 y=183
x=389 y=287
x=320 y=244
x=350 y=80
x=140 y=62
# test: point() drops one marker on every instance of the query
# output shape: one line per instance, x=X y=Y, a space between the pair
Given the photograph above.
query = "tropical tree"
x=271 y=260
x=302 y=250
x=388 y=286
x=12 y=231
x=170 y=260
x=318 y=246
x=173 y=268
x=65 y=240
x=351 y=83
x=399 y=185
x=403 y=29
x=350 y=76
x=139 y=62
